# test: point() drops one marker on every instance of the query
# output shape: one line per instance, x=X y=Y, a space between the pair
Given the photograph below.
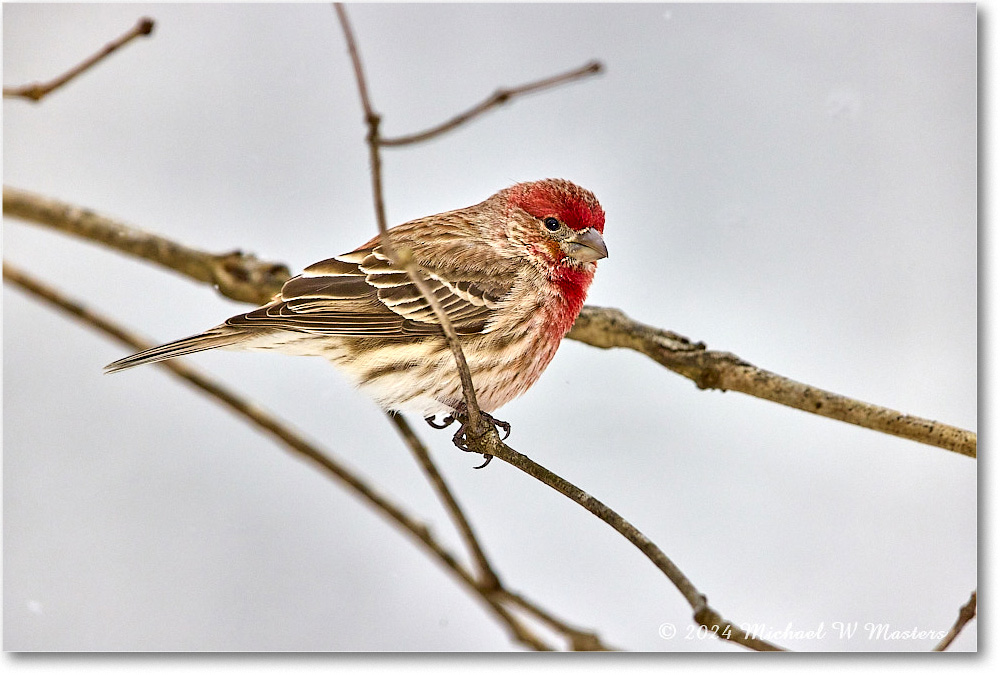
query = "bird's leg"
x=461 y=437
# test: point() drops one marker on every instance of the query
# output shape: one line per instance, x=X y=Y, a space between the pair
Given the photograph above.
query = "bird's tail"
x=223 y=336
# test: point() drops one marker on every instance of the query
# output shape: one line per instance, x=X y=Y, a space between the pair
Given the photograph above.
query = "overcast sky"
x=794 y=184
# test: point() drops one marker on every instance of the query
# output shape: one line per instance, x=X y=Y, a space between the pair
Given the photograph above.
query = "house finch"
x=511 y=273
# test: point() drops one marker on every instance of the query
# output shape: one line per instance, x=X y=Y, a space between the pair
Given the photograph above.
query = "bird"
x=511 y=273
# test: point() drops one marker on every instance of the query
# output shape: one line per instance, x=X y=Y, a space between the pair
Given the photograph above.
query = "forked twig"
x=580 y=640
x=497 y=99
x=487 y=575
x=36 y=91
x=404 y=258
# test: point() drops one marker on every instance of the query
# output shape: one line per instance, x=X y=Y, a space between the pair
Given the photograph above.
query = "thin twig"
x=36 y=90
x=242 y=277
x=487 y=575
x=292 y=440
x=606 y=327
x=476 y=425
x=965 y=614
x=497 y=99
x=580 y=640
x=703 y=613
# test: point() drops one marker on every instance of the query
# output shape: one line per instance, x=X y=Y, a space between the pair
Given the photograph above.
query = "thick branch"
x=604 y=327
x=497 y=99
x=237 y=275
x=36 y=91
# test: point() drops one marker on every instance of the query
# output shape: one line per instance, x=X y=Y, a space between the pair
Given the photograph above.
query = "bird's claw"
x=444 y=423
x=501 y=424
x=461 y=437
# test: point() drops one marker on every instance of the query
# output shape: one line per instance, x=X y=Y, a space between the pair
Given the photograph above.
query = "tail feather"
x=221 y=337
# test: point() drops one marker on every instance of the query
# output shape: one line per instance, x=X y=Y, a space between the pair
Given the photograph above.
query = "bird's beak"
x=586 y=246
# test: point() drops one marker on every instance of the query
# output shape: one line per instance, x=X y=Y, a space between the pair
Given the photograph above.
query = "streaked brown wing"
x=361 y=293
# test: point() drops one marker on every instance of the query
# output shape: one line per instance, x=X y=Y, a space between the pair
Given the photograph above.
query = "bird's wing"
x=361 y=293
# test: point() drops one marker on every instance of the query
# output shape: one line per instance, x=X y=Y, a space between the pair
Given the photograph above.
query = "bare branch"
x=606 y=328
x=242 y=277
x=294 y=442
x=487 y=575
x=237 y=275
x=36 y=90
x=476 y=424
x=703 y=613
x=497 y=99
x=965 y=614
x=579 y=639
x=488 y=444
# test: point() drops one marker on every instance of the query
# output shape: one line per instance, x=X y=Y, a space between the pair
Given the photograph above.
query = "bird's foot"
x=461 y=437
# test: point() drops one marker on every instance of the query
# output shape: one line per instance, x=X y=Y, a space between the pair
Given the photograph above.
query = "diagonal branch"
x=497 y=99
x=244 y=278
x=965 y=614
x=36 y=91
x=294 y=442
x=709 y=369
x=237 y=275
x=580 y=640
x=703 y=613
x=487 y=575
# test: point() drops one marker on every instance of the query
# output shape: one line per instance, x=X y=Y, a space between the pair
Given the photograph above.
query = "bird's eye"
x=552 y=224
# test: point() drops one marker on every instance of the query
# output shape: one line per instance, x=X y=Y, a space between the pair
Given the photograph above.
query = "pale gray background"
x=796 y=184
